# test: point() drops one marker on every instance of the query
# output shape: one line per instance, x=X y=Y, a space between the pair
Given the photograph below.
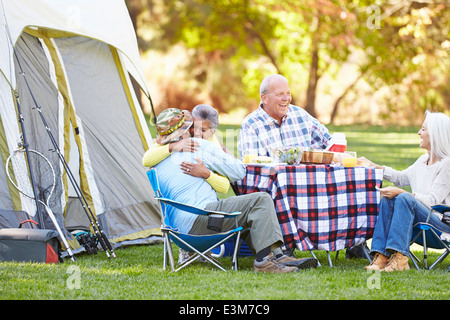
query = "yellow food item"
x=250 y=158
x=262 y=159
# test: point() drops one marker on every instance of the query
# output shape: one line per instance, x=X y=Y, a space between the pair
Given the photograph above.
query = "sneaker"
x=271 y=266
x=302 y=263
x=183 y=255
x=397 y=262
x=357 y=251
x=379 y=262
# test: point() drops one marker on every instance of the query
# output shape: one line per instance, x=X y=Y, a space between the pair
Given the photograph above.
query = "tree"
x=232 y=44
x=409 y=52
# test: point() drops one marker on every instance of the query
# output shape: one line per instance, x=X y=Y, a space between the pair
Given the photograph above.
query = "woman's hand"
x=390 y=192
x=195 y=169
x=368 y=163
x=184 y=145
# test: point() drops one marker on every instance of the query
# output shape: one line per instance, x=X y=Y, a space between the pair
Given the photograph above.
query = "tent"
x=72 y=62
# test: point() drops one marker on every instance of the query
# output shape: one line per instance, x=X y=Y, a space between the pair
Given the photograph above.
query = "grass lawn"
x=137 y=272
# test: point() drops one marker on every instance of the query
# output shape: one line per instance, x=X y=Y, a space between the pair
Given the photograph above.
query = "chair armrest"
x=441 y=208
x=196 y=210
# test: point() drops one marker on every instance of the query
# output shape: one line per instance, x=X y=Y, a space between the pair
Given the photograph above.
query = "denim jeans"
x=394 y=226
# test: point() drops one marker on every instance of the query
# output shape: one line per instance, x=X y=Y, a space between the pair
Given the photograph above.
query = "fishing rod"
x=23 y=137
x=98 y=231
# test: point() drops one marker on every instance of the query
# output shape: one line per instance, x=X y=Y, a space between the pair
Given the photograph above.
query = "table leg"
x=314 y=256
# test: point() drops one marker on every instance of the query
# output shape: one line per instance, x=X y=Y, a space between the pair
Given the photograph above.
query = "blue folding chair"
x=200 y=245
x=429 y=236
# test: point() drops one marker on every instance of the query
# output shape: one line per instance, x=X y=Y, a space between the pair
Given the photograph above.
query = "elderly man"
x=258 y=213
x=278 y=123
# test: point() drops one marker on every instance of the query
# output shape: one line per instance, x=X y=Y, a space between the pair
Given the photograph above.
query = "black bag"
x=29 y=245
x=445 y=210
x=446 y=218
x=215 y=222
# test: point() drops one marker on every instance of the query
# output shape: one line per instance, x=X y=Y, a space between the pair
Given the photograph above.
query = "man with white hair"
x=279 y=123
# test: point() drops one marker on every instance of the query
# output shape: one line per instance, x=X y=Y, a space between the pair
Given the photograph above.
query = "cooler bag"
x=29 y=245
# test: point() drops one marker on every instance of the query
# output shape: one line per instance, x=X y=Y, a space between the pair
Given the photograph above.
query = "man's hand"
x=195 y=169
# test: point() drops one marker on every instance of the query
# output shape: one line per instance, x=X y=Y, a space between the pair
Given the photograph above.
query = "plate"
x=266 y=164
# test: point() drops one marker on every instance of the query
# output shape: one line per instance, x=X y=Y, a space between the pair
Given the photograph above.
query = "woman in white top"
x=429 y=178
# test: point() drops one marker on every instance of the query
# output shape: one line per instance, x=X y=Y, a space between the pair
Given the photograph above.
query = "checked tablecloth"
x=319 y=207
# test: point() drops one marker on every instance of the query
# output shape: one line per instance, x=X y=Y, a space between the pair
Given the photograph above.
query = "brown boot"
x=397 y=262
x=378 y=262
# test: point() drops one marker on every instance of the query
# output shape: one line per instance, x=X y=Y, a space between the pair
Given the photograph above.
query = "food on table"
x=362 y=163
x=317 y=156
x=249 y=158
x=262 y=159
x=289 y=155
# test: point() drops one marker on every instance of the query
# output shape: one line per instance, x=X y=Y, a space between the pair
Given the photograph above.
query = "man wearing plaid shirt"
x=278 y=123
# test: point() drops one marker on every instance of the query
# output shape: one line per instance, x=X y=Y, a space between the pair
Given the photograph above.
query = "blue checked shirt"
x=260 y=132
x=190 y=190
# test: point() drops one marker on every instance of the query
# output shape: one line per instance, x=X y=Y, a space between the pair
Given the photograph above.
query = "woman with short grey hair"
x=206 y=121
x=208 y=113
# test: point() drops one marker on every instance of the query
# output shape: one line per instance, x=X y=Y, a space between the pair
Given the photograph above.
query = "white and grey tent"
x=72 y=62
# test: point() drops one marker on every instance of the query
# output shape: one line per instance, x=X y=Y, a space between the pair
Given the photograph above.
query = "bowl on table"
x=317 y=157
x=288 y=154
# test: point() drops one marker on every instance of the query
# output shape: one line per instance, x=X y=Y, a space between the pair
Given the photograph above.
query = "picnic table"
x=319 y=207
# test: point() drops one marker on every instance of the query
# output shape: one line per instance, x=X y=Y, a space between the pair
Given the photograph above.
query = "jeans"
x=394 y=226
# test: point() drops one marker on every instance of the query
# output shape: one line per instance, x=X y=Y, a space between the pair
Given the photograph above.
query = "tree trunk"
x=313 y=79
x=250 y=27
x=313 y=71
x=338 y=100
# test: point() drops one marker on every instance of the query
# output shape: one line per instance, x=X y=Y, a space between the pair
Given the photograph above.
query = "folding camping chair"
x=429 y=236
x=200 y=245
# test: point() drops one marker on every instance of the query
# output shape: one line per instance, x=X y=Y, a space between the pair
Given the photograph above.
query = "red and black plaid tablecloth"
x=319 y=207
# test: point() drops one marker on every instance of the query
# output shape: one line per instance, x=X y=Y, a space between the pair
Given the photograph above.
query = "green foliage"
x=401 y=50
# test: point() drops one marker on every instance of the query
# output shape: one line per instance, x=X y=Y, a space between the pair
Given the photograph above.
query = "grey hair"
x=265 y=84
x=206 y=112
x=438 y=126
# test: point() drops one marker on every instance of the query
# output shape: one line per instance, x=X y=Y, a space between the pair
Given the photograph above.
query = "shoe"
x=302 y=263
x=183 y=255
x=357 y=251
x=271 y=266
x=378 y=262
x=397 y=262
